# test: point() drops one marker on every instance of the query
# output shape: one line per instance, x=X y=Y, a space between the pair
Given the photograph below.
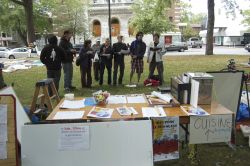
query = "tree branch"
x=18 y=2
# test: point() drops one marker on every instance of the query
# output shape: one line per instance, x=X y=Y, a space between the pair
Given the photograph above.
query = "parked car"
x=195 y=42
x=178 y=46
x=3 y=52
x=77 y=47
x=18 y=53
x=247 y=47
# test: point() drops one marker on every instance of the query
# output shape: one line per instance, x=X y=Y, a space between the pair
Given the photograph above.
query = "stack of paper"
x=126 y=111
x=117 y=99
x=136 y=98
x=72 y=104
x=98 y=112
x=69 y=115
x=153 y=112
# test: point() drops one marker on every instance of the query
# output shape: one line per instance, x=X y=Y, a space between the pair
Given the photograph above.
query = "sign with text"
x=165 y=138
x=210 y=129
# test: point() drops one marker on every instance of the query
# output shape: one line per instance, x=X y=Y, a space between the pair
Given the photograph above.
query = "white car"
x=4 y=52
x=18 y=53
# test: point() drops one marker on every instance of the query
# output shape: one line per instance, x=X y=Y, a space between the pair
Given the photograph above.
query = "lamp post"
x=109 y=21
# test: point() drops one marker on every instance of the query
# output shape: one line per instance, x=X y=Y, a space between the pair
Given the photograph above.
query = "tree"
x=150 y=16
x=71 y=15
x=246 y=21
x=210 y=27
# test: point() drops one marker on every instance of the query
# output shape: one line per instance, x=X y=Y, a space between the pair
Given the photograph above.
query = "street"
x=218 y=50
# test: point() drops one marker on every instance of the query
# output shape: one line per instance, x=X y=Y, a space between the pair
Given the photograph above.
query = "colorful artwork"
x=165 y=138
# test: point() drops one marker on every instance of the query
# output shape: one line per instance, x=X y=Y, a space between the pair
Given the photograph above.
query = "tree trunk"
x=28 y=7
x=210 y=28
x=23 y=36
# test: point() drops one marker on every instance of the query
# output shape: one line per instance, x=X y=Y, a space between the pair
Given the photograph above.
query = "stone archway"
x=115 y=26
x=96 y=28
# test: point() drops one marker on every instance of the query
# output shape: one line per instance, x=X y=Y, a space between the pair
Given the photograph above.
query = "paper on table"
x=3 y=114
x=166 y=97
x=3 y=150
x=194 y=93
x=136 y=99
x=3 y=132
x=69 y=115
x=126 y=111
x=99 y=112
x=74 y=138
x=73 y=104
x=153 y=112
x=117 y=99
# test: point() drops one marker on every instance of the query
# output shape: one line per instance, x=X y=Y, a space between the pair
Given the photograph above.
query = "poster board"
x=117 y=143
x=21 y=116
x=11 y=143
x=210 y=129
x=227 y=87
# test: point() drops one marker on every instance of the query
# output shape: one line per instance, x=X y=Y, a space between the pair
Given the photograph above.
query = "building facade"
x=121 y=13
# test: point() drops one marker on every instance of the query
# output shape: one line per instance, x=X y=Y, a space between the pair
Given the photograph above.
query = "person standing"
x=119 y=50
x=155 y=52
x=106 y=55
x=67 y=63
x=96 y=63
x=52 y=56
x=137 y=51
x=86 y=56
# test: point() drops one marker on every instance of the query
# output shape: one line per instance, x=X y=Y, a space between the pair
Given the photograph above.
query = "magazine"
x=126 y=111
x=191 y=110
x=98 y=112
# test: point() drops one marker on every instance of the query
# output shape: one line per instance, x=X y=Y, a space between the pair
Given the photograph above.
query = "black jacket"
x=138 y=49
x=52 y=56
x=66 y=46
x=104 y=50
x=117 y=47
x=85 y=58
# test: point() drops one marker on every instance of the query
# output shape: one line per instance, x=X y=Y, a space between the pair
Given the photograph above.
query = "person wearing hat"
x=52 y=56
x=67 y=63
x=96 y=64
x=106 y=55
x=119 y=49
x=137 y=51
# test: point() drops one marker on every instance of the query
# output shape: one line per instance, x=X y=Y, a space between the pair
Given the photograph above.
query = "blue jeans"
x=68 y=74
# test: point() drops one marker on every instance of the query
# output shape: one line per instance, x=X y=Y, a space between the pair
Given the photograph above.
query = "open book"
x=191 y=110
x=98 y=112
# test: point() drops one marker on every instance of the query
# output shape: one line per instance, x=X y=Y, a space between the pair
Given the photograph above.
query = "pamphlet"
x=117 y=99
x=191 y=110
x=153 y=112
x=136 y=98
x=126 y=111
x=98 y=112
x=72 y=104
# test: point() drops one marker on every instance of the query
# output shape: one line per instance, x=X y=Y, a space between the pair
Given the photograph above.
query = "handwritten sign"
x=210 y=129
x=165 y=138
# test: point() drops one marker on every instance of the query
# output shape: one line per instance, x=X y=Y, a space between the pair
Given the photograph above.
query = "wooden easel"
x=12 y=144
x=44 y=96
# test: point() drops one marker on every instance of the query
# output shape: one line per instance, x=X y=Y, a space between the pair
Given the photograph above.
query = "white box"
x=245 y=130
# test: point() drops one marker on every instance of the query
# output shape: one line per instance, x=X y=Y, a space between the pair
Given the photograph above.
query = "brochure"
x=126 y=111
x=191 y=110
x=98 y=112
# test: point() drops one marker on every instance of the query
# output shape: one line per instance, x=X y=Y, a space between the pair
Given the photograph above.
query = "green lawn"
x=209 y=154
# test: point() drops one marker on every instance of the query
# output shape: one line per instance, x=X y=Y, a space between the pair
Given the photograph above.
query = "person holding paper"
x=155 y=52
x=96 y=64
x=119 y=49
x=86 y=54
x=137 y=50
x=106 y=55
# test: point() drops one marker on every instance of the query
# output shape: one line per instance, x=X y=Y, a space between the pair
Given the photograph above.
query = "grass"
x=208 y=154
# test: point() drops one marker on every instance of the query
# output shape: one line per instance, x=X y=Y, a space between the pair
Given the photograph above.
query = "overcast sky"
x=200 y=6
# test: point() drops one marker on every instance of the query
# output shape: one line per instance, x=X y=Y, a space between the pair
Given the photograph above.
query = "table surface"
x=213 y=109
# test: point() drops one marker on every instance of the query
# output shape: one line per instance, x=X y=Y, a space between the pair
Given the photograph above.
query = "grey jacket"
x=159 y=53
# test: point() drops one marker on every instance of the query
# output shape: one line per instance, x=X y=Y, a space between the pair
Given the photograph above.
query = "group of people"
x=101 y=56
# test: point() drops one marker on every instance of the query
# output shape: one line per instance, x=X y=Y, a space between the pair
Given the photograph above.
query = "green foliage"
x=246 y=21
x=150 y=16
x=189 y=32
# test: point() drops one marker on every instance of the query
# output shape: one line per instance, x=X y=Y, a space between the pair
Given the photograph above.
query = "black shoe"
x=72 y=87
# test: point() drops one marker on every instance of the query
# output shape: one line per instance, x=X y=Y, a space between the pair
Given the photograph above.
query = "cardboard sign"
x=210 y=129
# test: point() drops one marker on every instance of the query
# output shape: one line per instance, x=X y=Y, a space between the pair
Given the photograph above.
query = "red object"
x=151 y=82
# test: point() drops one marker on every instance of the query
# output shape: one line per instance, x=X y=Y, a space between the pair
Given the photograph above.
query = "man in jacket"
x=96 y=63
x=155 y=52
x=106 y=55
x=137 y=51
x=119 y=50
x=52 y=56
x=67 y=63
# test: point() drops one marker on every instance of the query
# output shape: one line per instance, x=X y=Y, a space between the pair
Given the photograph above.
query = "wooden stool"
x=44 y=96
